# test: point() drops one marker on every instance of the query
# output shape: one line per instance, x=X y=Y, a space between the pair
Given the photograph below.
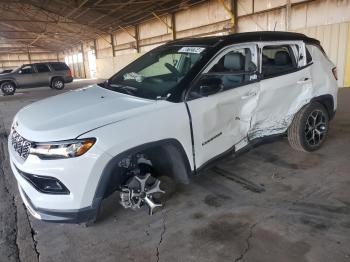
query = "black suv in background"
x=53 y=74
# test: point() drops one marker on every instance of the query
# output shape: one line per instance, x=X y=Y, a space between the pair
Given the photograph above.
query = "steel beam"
x=229 y=11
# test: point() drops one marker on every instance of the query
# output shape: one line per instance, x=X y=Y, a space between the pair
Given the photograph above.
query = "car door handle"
x=250 y=94
x=302 y=81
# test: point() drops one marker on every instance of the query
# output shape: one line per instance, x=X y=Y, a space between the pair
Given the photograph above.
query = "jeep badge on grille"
x=21 y=145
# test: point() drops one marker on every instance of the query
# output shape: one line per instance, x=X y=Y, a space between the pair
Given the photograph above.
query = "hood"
x=6 y=74
x=71 y=114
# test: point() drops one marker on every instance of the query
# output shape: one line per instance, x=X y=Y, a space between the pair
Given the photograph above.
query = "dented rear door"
x=282 y=93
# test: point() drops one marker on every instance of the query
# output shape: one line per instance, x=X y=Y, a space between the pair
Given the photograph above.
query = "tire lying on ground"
x=8 y=88
x=309 y=128
x=57 y=83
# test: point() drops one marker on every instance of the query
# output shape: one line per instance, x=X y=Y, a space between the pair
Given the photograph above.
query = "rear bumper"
x=68 y=79
x=68 y=216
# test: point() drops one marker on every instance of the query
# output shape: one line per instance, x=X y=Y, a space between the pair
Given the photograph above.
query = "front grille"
x=21 y=145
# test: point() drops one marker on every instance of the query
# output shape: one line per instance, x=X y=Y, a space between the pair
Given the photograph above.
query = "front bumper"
x=58 y=216
x=80 y=175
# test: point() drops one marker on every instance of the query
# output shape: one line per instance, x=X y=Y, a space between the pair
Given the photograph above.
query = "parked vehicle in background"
x=6 y=71
x=53 y=74
x=172 y=112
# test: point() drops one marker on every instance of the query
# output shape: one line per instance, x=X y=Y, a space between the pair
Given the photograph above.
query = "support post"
x=231 y=12
x=95 y=48
x=84 y=62
x=288 y=14
x=234 y=7
x=173 y=26
x=169 y=27
x=29 y=56
x=113 y=45
x=137 y=38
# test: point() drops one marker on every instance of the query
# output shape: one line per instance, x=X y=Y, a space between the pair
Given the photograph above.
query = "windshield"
x=154 y=75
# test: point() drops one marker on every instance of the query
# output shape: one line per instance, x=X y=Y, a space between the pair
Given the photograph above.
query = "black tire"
x=57 y=83
x=309 y=128
x=8 y=88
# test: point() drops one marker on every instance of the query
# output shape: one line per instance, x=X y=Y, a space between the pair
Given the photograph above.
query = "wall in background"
x=13 y=60
x=326 y=20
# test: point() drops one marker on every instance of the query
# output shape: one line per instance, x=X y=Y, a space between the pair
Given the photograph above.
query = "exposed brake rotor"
x=139 y=190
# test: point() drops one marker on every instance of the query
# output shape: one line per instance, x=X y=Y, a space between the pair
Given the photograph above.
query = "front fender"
x=167 y=155
x=8 y=79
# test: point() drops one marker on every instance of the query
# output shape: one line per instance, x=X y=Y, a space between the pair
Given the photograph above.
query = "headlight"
x=63 y=149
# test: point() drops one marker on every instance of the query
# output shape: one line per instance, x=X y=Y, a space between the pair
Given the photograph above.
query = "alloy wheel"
x=8 y=88
x=315 y=128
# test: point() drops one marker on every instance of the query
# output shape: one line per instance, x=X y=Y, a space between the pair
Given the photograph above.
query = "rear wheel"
x=309 y=128
x=8 y=88
x=57 y=83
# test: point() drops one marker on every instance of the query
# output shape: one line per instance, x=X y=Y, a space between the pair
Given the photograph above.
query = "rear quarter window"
x=308 y=56
x=59 y=66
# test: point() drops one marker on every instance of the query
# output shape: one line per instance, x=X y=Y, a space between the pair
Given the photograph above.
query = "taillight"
x=69 y=73
x=335 y=74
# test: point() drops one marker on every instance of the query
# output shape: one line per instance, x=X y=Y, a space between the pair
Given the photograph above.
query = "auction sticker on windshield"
x=191 y=49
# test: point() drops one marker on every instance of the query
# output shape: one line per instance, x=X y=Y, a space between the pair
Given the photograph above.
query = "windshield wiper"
x=163 y=97
x=125 y=89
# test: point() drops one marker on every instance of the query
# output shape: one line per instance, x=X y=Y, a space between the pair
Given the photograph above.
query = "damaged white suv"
x=169 y=113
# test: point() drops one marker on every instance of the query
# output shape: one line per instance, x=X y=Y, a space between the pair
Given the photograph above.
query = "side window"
x=59 y=66
x=277 y=60
x=308 y=56
x=28 y=69
x=42 y=68
x=230 y=70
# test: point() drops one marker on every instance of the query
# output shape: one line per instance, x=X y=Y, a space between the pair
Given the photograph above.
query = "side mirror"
x=20 y=72
x=210 y=86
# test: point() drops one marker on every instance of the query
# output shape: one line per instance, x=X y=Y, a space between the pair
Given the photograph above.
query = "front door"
x=25 y=76
x=222 y=119
x=286 y=86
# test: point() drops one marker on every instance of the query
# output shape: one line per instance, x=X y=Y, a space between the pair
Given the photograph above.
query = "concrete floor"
x=270 y=204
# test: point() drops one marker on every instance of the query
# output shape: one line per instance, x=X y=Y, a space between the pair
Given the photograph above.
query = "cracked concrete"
x=161 y=235
x=245 y=251
x=300 y=213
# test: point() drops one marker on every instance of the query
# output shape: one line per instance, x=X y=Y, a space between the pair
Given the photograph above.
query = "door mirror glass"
x=210 y=86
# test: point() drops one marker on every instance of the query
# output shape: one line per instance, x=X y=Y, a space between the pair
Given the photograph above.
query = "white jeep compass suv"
x=169 y=113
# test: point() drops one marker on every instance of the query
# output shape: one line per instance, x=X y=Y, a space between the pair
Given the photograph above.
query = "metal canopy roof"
x=56 y=25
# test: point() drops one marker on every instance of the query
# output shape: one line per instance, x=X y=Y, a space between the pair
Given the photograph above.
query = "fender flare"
x=9 y=79
x=328 y=102
x=172 y=155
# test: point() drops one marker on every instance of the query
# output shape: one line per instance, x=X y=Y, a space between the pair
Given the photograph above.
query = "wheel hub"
x=140 y=190
x=315 y=128
x=58 y=84
x=8 y=88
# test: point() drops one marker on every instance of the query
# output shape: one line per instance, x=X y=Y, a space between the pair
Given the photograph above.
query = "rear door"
x=222 y=120
x=286 y=86
x=43 y=74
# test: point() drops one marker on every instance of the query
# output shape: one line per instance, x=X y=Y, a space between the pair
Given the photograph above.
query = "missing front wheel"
x=141 y=188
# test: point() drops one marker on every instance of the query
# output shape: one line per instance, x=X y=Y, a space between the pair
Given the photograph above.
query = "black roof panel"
x=245 y=37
